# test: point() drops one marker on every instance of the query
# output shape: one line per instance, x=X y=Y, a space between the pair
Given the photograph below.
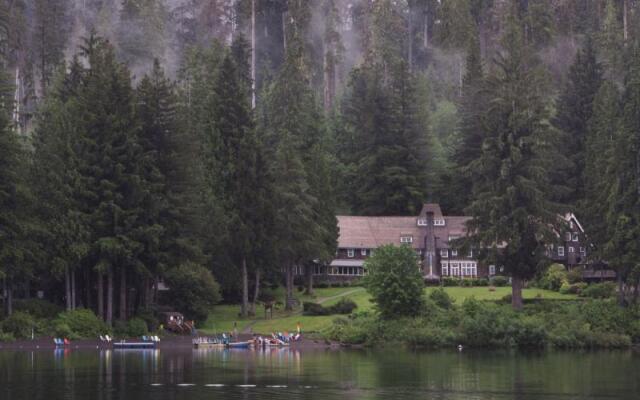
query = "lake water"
x=317 y=374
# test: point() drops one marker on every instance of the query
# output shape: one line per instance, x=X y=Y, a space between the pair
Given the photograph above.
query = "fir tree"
x=574 y=110
x=511 y=211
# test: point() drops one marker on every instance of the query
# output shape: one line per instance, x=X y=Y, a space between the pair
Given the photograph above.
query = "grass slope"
x=223 y=317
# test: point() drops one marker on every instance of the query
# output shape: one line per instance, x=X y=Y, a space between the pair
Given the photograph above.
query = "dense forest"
x=209 y=144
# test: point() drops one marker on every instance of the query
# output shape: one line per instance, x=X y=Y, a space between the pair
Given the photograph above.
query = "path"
x=248 y=328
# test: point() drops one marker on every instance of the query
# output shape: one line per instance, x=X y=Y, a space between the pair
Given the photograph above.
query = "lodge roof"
x=371 y=232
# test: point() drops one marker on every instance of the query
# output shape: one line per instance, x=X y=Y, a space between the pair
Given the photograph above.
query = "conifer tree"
x=511 y=212
x=574 y=110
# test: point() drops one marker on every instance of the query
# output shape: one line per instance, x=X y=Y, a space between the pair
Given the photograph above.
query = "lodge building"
x=432 y=235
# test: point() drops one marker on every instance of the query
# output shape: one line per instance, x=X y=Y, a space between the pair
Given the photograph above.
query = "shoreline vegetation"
x=474 y=317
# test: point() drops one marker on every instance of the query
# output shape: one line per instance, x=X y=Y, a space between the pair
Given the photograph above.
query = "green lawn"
x=223 y=317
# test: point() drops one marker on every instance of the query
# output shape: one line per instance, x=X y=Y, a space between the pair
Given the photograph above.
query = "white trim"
x=572 y=249
x=422 y=222
x=575 y=237
x=454 y=252
x=561 y=251
x=439 y=222
x=444 y=253
x=351 y=253
x=363 y=252
x=406 y=239
x=492 y=269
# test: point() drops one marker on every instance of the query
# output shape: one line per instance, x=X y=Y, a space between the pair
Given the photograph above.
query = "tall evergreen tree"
x=574 y=110
x=511 y=212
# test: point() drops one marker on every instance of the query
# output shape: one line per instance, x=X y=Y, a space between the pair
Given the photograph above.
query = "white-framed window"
x=469 y=269
x=422 y=222
x=574 y=237
x=492 y=269
x=455 y=269
x=351 y=253
x=567 y=236
x=438 y=222
x=406 y=239
x=572 y=249
x=583 y=251
x=445 y=269
x=444 y=253
x=571 y=224
x=454 y=252
x=371 y=252
x=452 y=238
x=561 y=251
x=470 y=253
x=363 y=252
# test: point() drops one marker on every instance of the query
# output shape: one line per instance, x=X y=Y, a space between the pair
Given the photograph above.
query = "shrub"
x=19 y=325
x=574 y=275
x=150 y=319
x=499 y=281
x=80 y=323
x=603 y=290
x=481 y=282
x=466 y=282
x=38 y=308
x=529 y=332
x=321 y=285
x=344 y=306
x=310 y=308
x=137 y=327
x=506 y=299
x=441 y=298
x=193 y=290
x=554 y=277
x=574 y=288
x=448 y=281
x=394 y=282
x=6 y=337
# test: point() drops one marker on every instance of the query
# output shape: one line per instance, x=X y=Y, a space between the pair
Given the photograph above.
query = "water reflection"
x=282 y=372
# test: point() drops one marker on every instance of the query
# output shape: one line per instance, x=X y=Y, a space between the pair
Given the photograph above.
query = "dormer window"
x=574 y=237
x=351 y=253
x=406 y=239
x=444 y=253
x=438 y=222
x=454 y=252
x=363 y=252
x=422 y=222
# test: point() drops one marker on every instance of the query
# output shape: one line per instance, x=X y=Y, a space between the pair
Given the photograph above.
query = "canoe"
x=209 y=345
x=239 y=345
x=134 y=345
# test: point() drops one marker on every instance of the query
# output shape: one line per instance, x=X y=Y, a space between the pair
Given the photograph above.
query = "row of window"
x=583 y=251
x=352 y=252
x=355 y=271
x=436 y=222
x=444 y=253
x=459 y=269
x=571 y=237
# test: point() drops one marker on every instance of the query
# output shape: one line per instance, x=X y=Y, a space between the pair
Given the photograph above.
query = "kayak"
x=239 y=345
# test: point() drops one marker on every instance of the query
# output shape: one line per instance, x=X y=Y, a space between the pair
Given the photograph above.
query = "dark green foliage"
x=20 y=325
x=603 y=290
x=137 y=327
x=194 y=291
x=499 y=280
x=80 y=323
x=571 y=324
x=511 y=190
x=37 y=308
x=344 y=306
x=395 y=281
x=574 y=111
x=554 y=277
x=440 y=297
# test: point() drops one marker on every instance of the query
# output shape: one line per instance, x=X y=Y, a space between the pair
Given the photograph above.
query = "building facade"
x=432 y=235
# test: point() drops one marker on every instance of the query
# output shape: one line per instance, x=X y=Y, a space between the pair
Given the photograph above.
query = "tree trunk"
x=253 y=53
x=123 y=295
x=10 y=298
x=425 y=31
x=110 y=296
x=4 y=294
x=289 y=288
x=256 y=293
x=73 y=289
x=620 y=290
x=67 y=288
x=244 y=309
x=87 y=289
x=284 y=33
x=309 y=279
x=625 y=29
x=410 y=28
x=101 y=296
x=516 y=292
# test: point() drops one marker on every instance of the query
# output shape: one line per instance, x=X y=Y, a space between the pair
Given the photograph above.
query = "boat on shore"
x=133 y=345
